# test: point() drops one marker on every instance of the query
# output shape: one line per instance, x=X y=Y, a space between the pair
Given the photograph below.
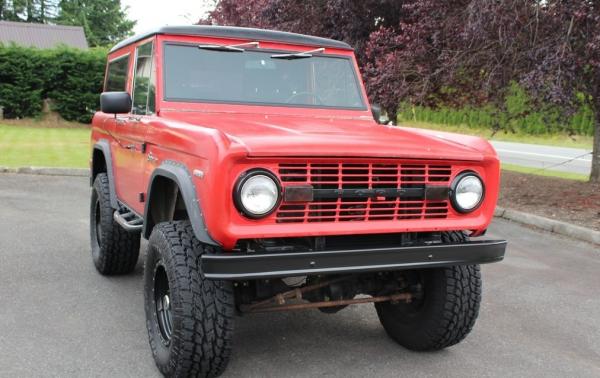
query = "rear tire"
x=189 y=319
x=114 y=250
x=445 y=314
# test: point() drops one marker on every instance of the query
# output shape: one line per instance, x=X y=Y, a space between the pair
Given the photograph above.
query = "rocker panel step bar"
x=130 y=221
x=240 y=266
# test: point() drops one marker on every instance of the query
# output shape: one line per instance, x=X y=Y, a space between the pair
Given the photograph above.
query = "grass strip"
x=547 y=173
x=22 y=146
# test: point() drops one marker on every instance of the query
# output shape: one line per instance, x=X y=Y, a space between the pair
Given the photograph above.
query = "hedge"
x=517 y=115
x=71 y=78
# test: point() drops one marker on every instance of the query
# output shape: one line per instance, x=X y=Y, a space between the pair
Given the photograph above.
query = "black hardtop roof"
x=235 y=32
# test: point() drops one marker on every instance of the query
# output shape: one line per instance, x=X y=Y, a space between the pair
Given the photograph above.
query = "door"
x=129 y=150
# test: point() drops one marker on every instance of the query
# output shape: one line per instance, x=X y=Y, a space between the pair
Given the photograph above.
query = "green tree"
x=38 y=11
x=104 y=21
x=47 y=10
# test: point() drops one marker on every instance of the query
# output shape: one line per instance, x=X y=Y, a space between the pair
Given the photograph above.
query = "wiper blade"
x=228 y=48
x=300 y=55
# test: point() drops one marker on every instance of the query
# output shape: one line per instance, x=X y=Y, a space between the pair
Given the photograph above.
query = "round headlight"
x=257 y=194
x=467 y=192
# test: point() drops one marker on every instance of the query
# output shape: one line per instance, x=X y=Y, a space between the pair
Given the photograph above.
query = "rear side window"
x=144 y=86
x=116 y=76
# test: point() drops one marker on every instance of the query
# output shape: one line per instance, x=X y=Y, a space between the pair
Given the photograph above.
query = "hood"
x=293 y=136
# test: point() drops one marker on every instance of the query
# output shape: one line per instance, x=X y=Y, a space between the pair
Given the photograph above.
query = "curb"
x=551 y=225
x=80 y=172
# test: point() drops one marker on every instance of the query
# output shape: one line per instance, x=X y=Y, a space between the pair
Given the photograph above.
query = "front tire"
x=189 y=319
x=444 y=315
x=114 y=250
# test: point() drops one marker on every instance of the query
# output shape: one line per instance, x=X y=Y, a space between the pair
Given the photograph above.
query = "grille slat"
x=341 y=175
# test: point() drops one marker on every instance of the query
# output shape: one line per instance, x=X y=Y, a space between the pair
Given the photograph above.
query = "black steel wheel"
x=162 y=301
x=98 y=219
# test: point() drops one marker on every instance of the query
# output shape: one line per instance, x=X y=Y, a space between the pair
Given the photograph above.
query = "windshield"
x=255 y=77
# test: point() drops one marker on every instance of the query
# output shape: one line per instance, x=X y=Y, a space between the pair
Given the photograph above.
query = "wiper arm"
x=300 y=55
x=229 y=48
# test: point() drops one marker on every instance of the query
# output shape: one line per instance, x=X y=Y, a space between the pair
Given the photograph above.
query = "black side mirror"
x=379 y=114
x=115 y=102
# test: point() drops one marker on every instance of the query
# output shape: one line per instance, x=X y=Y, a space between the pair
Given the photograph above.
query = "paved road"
x=538 y=156
x=540 y=314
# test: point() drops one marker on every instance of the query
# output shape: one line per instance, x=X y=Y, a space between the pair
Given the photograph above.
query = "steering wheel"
x=311 y=94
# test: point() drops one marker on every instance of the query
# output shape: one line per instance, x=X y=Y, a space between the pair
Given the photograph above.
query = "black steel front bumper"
x=240 y=266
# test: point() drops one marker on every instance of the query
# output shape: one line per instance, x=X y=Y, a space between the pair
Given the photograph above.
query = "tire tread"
x=452 y=314
x=206 y=307
x=120 y=249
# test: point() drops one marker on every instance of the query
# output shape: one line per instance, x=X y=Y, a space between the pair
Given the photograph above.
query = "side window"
x=144 y=82
x=116 y=75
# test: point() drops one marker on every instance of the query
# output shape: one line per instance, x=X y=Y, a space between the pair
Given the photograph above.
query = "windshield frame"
x=349 y=58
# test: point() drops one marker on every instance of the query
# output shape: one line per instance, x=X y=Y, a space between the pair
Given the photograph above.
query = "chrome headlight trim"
x=455 y=187
x=246 y=178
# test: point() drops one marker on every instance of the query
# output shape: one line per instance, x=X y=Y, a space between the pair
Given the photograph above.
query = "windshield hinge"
x=299 y=55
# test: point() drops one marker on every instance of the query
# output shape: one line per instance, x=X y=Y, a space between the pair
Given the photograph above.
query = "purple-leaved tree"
x=455 y=52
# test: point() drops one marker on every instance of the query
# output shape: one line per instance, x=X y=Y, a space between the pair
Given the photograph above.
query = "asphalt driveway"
x=58 y=317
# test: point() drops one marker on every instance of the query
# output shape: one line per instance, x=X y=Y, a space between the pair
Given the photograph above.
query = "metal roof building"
x=42 y=36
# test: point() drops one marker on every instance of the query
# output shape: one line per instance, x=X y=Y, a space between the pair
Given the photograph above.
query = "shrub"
x=76 y=82
x=22 y=81
x=71 y=78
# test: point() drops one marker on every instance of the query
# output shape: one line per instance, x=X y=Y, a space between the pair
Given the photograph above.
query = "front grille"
x=339 y=175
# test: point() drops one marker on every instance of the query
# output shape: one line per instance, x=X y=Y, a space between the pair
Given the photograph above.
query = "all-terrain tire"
x=197 y=340
x=114 y=250
x=446 y=313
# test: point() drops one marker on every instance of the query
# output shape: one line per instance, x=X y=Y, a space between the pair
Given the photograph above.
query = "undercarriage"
x=327 y=293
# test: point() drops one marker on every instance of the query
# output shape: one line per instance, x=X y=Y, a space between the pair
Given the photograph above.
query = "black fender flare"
x=179 y=174
x=104 y=146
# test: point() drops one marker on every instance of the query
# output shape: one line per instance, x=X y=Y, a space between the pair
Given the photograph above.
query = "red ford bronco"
x=254 y=165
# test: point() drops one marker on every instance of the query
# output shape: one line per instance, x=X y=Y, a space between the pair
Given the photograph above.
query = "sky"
x=154 y=13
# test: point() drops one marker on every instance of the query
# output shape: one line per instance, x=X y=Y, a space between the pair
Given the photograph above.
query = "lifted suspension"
x=279 y=302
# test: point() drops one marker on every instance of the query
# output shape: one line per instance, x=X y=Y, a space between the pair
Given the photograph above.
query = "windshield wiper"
x=228 y=48
x=300 y=55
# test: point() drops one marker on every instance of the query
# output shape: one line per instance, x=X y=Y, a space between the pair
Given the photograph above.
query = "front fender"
x=181 y=176
x=104 y=146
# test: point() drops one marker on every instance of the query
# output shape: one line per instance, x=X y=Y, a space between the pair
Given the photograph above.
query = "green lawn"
x=577 y=141
x=22 y=146
x=549 y=173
